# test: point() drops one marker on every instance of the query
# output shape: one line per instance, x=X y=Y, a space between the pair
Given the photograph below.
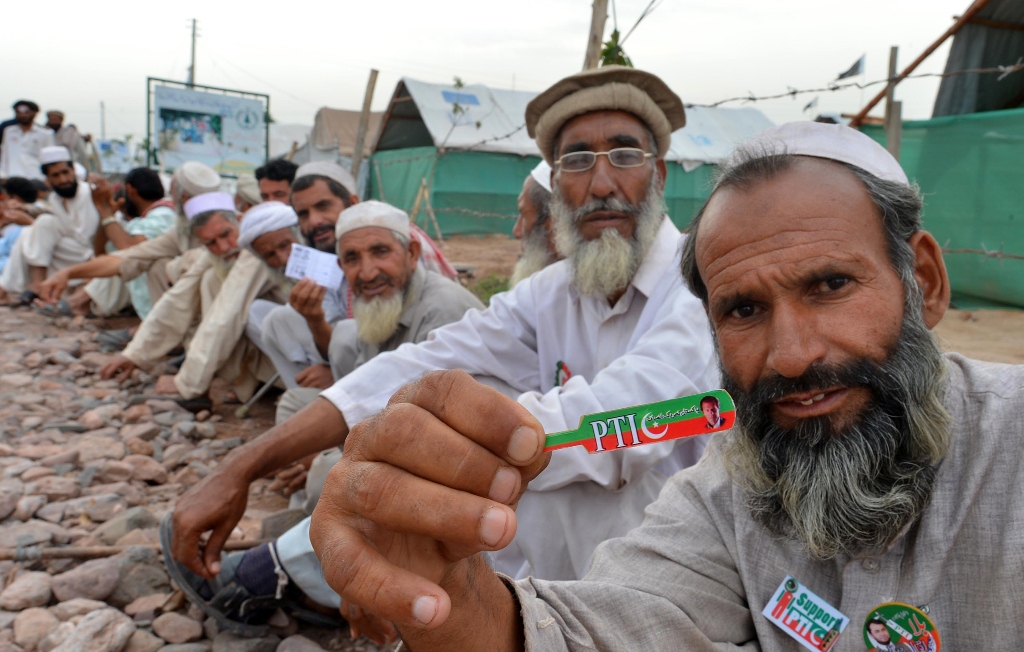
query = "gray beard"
x=605 y=266
x=535 y=256
x=377 y=319
x=851 y=490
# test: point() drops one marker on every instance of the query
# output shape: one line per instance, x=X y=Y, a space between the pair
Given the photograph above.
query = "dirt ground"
x=487 y=254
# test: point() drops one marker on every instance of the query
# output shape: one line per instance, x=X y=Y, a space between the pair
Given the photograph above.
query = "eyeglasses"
x=620 y=157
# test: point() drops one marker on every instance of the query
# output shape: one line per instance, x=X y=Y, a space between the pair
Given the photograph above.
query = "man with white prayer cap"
x=68 y=136
x=610 y=326
x=320 y=191
x=247 y=192
x=866 y=499
x=396 y=300
x=141 y=215
x=22 y=143
x=533 y=226
x=206 y=307
x=57 y=239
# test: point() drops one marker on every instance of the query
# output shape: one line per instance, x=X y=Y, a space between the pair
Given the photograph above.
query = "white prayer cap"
x=834 y=142
x=248 y=188
x=372 y=213
x=264 y=218
x=329 y=170
x=209 y=201
x=80 y=172
x=542 y=175
x=54 y=154
x=195 y=178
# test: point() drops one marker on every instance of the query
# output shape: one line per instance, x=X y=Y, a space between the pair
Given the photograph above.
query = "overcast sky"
x=308 y=54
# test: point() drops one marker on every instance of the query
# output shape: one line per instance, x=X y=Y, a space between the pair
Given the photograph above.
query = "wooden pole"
x=894 y=130
x=960 y=22
x=364 y=124
x=890 y=94
x=95 y=552
x=594 y=40
x=192 y=65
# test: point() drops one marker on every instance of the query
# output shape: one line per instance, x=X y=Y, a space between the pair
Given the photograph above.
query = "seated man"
x=19 y=206
x=209 y=303
x=870 y=478
x=274 y=180
x=149 y=216
x=57 y=239
x=162 y=258
x=299 y=347
x=533 y=226
x=396 y=301
x=610 y=326
x=247 y=193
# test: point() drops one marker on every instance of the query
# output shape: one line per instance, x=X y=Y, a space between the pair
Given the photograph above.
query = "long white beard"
x=377 y=319
x=534 y=258
x=606 y=265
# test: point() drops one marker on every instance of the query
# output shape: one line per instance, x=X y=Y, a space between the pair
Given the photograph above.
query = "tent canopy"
x=994 y=37
x=484 y=119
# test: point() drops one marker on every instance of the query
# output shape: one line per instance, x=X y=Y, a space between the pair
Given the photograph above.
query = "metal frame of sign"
x=151 y=81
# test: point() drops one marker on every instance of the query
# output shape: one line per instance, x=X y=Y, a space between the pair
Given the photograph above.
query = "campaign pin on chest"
x=805 y=616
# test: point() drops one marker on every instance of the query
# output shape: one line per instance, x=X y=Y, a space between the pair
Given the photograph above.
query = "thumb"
x=214 y=545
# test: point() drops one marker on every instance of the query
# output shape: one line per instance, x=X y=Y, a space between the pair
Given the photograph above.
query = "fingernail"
x=503 y=485
x=215 y=567
x=424 y=609
x=523 y=445
x=493 y=524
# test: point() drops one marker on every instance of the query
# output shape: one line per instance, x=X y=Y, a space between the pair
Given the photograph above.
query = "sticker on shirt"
x=652 y=423
x=562 y=374
x=799 y=612
x=898 y=627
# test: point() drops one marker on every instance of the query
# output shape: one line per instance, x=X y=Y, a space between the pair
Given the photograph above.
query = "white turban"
x=248 y=188
x=542 y=175
x=834 y=142
x=265 y=218
x=372 y=213
x=54 y=154
x=329 y=170
x=209 y=201
x=195 y=178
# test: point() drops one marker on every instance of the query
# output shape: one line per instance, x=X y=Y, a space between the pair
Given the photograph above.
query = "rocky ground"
x=86 y=462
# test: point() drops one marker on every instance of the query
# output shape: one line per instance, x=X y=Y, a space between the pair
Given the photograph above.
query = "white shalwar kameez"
x=57 y=239
x=564 y=355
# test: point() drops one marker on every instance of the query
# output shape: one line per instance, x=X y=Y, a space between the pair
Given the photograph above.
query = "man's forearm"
x=313 y=429
x=121 y=238
x=484 y=617
x=99 y=267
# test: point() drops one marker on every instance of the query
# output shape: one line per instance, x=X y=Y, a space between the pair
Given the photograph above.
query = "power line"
x=1004 y=71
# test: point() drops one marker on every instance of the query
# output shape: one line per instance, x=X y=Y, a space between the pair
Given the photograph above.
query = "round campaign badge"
x=898 y=627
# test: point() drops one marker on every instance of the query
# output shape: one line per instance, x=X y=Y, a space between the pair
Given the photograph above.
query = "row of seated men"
x=830 y=478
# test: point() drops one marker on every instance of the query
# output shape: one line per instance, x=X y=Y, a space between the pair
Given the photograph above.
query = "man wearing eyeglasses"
x=610 y=326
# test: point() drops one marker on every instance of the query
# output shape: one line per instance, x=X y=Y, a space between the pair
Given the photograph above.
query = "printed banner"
x=226 y=132
x=652 y=423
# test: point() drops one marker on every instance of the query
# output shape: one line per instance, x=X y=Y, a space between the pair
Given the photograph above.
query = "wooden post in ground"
x=977 y=6
x=594 y=40
x=893 y=121
x=364 y=125
x=894 y=130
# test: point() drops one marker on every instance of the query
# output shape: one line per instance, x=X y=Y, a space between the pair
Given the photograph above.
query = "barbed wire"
x=1004 y=72
x=998 y=254
x=473 y=213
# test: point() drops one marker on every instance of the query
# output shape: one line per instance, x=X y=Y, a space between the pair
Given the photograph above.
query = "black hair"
x=41 y=187
x=277 y=170
x=22 y=188
x=338 y=190
x=874 y=621
x=47 y=166
x=32 y=106
x=146 y=182
x=710 y=399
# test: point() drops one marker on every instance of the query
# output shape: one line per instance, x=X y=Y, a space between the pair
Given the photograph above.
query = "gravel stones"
x=175 y=628
x=32 y=589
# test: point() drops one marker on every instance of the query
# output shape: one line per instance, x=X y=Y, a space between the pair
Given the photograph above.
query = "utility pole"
x=597 y=21
x=103 y=120
x=893 y=109
x=364 y=125
x=192 y=66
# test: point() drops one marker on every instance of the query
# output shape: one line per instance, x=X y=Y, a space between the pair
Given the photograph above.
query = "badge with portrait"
x=898 y=627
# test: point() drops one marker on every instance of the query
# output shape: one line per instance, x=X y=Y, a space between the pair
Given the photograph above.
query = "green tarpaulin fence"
x=476 y=192
x=971 y=171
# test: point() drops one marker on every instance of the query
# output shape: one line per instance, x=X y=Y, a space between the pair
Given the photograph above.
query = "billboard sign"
x=226 y=132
